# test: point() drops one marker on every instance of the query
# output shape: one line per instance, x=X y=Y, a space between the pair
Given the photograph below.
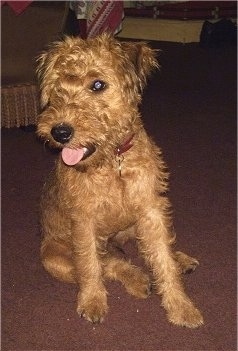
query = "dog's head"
x=90 y=90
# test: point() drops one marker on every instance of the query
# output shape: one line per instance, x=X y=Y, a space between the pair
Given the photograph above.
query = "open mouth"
x=73 y=156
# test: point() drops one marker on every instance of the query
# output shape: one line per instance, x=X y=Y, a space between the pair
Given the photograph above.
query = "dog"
x=110 y=182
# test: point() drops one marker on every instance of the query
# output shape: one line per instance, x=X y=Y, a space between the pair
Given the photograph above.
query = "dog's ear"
x=143 y=59
x=45 y=70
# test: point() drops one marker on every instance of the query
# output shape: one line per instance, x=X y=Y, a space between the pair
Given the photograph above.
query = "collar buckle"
x=120 y=150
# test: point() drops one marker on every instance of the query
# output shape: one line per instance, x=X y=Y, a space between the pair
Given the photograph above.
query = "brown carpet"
x=189 y=108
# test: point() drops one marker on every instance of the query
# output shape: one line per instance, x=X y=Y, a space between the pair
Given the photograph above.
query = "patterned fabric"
x=101 y=16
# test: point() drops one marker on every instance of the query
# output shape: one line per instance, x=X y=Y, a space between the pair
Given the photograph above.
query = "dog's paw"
x=139 y=285
x=186 y=263
x=93 y=309
x=185 y=315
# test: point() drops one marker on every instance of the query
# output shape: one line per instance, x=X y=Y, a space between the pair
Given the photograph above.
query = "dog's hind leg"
x=135 y=281
x=186 y=263
x=57 y=260
x=120 y=238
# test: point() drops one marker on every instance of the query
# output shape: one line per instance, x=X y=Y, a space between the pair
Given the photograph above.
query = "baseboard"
x=161 y=29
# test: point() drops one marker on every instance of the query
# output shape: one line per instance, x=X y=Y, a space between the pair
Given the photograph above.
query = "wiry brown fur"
x=89 y=209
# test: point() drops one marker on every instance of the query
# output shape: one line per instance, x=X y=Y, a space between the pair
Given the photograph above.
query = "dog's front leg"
x=154 y=242
x=92 y=296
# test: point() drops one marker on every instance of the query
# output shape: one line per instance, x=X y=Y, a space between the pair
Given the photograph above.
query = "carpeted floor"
x=189 y=108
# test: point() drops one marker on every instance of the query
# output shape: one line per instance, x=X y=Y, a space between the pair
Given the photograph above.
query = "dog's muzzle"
x=62 y=133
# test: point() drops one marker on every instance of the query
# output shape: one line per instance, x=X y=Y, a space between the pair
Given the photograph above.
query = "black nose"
x=62 y=133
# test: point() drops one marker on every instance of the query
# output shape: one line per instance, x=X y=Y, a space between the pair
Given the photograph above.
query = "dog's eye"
x=98 y=85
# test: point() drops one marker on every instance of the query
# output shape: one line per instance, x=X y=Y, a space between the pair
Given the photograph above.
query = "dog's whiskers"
x=46 y=142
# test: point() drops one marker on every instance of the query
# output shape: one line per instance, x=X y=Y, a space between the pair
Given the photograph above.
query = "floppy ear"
x=42 y=72
x=45 y=72
x=143 y=59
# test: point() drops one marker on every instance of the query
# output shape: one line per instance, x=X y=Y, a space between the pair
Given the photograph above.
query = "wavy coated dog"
x=109 y=183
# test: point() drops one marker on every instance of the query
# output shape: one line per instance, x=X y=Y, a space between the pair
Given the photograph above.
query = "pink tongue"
x=72 y=156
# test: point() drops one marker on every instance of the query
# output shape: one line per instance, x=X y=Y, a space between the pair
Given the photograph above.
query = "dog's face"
x=90 y=90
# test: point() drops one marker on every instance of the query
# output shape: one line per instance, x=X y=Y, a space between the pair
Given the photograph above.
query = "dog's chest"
x=104 y=197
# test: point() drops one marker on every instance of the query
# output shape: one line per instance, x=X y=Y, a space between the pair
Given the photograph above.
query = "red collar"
x=126 y=145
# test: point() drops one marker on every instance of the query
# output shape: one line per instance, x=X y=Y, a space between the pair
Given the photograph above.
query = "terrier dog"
x=109 y=182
